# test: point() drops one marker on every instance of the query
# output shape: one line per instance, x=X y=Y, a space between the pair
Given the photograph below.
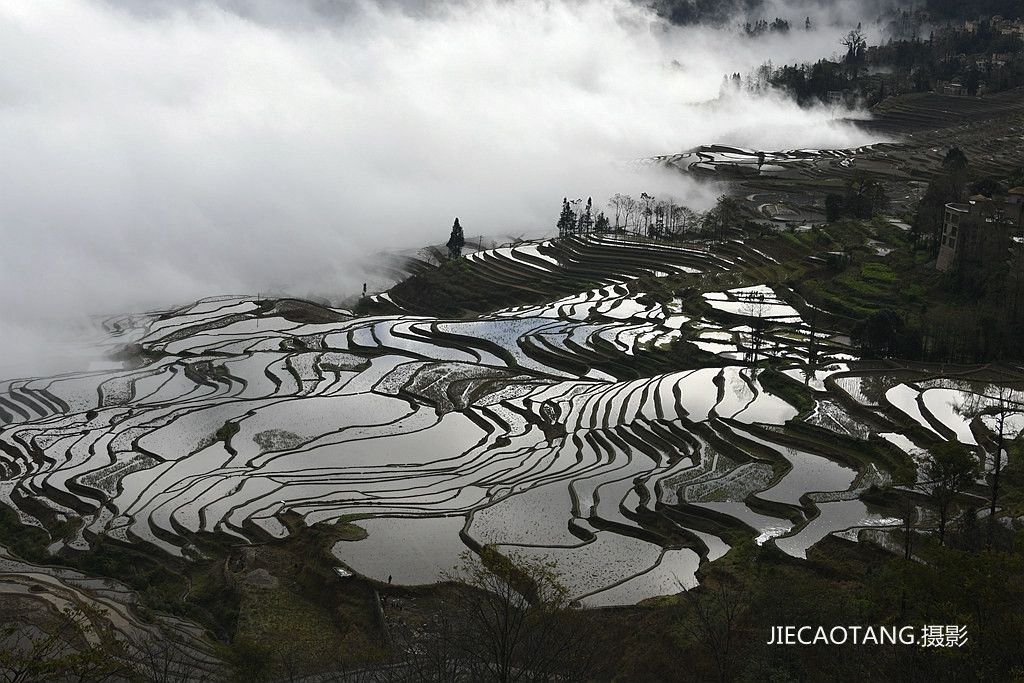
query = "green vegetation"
x=878 y=272
x=788 y=389
x=226 y=431
x=951 y=467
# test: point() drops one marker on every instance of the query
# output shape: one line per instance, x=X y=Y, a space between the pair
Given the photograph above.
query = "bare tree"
x=908 y=518
x=75 y=645
x=161 y=660
x=513 y=623
x=618 y=204
x=755 y=308
x=855 y=43
x=630 y=210
x=713 y=616
x=1004 y=405
x=688 y=220
x=435 y=656
x=951 y=467
x=812 y=336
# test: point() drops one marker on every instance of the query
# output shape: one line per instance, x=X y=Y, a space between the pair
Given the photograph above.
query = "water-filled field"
x=512 y=429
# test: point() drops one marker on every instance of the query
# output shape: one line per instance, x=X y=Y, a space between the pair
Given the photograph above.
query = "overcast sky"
x=157 y=152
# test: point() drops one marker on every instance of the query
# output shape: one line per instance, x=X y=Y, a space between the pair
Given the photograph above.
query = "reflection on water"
x=834 y=517
x=412 y=551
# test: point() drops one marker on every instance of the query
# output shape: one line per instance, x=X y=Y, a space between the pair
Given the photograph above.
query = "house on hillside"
x=954 y=215
x=955 y=88
x=1013 y=208
x=991 y=214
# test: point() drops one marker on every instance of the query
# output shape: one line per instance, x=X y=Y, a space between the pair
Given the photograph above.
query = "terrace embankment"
x=918 y=112
x=914 y=132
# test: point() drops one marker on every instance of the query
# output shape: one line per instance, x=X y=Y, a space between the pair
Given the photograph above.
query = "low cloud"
x=159 y=152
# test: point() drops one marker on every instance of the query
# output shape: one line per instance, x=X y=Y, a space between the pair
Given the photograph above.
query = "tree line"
x=648 y=216
x=915 y=64
x=865 y=198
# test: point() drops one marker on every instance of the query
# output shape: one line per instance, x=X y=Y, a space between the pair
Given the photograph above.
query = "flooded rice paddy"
x=513 y=429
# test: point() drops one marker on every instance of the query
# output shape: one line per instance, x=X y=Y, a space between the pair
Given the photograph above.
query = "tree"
x=950 y=468
x=997 y=457
x=618 y=203
x=1003 y=404
x=880 y=335
x=724 y=215
x=812 y=336
x=972 y=80
x=512 y=622
x=948 y=187
x=982 y=244
x=250 y=660
x=586 y=221
x=908 y=517
x=656 y=228
x=456 y=241
x=989 y=186
x=646 y=212
x=714 y=613
x=867 y=194
x=754 y=307
x=630 y=210
x=75 y=645
x=686 y=220
x=954 y=160
x=833 y=207
x=566 y=220
x=164 y=660
x=855 y=44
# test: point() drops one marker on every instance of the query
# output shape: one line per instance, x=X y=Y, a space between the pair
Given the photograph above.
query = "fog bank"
x=160 y=152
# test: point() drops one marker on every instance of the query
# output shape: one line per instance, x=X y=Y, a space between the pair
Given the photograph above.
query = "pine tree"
x=567 y=219
x=456 y=241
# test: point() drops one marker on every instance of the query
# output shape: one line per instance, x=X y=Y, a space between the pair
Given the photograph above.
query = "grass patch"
x=789 y=390
x=878 y=272
x=335 y=625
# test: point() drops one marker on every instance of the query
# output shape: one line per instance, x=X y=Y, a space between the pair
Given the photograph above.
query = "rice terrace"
x=681 y=401
x=648 y=445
